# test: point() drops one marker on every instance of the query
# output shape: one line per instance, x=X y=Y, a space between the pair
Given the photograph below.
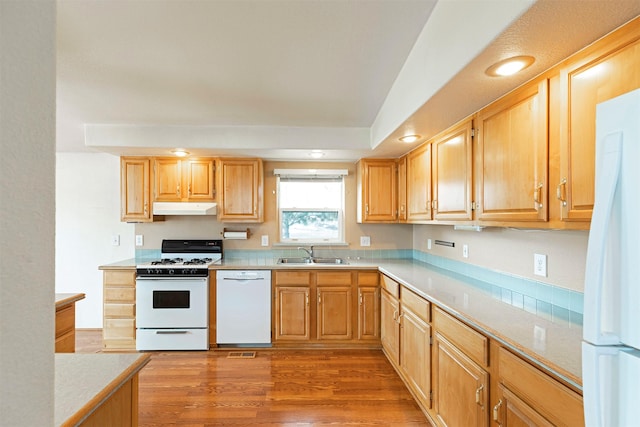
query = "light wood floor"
x=276 y=388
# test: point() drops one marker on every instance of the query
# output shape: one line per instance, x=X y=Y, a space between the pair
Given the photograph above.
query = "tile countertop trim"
x=84 y=381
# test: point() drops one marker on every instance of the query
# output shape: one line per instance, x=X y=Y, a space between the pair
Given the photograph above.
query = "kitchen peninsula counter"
x=86 y=383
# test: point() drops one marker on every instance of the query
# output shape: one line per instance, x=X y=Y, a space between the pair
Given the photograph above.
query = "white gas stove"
x=172 y=296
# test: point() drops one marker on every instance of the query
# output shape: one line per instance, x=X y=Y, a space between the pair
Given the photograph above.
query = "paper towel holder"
x=230 y=234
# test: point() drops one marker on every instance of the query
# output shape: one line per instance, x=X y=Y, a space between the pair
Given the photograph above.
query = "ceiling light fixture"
x=316 y=154
x=510 y=66
x=409 y=138
x=180 y=153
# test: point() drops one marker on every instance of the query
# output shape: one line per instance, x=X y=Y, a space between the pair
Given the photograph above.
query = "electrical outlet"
x=540 y=265
x=265 y=240
x=428 y=244
x=465 y=251
x=139 y=240
x=365 y=241
x=115 y=240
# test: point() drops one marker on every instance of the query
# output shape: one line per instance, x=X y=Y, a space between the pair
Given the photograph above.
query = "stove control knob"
x=158 y=271
x=171 y=271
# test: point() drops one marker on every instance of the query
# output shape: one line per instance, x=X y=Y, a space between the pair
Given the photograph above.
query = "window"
x=310 y=207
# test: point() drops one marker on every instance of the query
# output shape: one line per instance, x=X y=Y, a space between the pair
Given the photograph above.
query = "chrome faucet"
x=308 y=251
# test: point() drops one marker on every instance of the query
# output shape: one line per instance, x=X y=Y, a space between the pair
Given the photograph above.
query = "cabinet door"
x=419 y=184
x=402 y=189
x=241 y=197
x=512 y=157
x=511 y=411
x=415 y=354
x=390 y=326
x=292 y=318
x=460 y=387
x=368 y=313
x=200 y=182
x=135 y=203
x=451 y=174
x=378 y=187
x=607 y=71
x=168 y=179
x=334 y=313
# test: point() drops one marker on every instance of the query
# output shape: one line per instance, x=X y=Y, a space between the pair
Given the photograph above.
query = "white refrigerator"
x=611 y=327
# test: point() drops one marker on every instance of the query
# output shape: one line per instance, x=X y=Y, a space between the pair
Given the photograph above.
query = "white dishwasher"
x=243 y=307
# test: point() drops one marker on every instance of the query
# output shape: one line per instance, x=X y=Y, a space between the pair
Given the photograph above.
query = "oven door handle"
x=172 y=332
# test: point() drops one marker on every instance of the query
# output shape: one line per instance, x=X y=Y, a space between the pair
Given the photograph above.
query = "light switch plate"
x=139 y=240
x=265 y=240
x=365 y=241
x=465 y=251
x=429 y=244
x=115 y=240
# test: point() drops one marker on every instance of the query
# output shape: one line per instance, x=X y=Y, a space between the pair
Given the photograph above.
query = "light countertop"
x=553 y=345
x=85 y=381
x=63 y=299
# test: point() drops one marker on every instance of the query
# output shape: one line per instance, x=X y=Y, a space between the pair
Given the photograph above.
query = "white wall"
x=511 y=251
x=87 y=216
x=27 y=209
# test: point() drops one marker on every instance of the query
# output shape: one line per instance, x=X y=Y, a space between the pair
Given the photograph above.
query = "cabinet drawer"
x=117 y=294
x=66 y=343
x=120 y=277
x=390 y=286
x=416 y=304
x=556 y=402
x=292 y=277
x=65 y=320
x=333 y=278
x=116 y=329
x=368 y=278
x=474 y=344
x=120 y=310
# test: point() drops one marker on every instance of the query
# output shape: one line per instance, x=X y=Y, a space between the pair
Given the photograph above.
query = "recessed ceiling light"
x=510 y=66
x=316 y=154
x=180 y=153
x=410 y=138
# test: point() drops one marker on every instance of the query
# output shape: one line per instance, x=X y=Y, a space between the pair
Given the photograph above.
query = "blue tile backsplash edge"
x=530 y=295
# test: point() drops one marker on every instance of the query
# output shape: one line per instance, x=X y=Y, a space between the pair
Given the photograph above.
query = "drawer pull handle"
x=479 y=394
x=496 y=411
x=172 y=332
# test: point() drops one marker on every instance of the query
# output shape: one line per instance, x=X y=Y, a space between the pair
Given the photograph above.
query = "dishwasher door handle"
x=243 y=279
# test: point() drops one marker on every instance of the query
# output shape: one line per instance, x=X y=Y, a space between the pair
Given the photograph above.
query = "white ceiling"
x=276 y=78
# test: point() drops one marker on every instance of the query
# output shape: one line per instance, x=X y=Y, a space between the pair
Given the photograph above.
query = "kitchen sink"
x=313 y=260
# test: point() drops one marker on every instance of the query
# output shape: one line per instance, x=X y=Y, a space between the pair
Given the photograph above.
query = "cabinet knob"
x=178 y=190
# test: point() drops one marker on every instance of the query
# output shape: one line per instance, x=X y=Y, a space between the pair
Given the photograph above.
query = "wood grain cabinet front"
x=119 y=321
x=419 y=184
x=183 y=180
x=241 y=190
x=135 y=189
x=325 y=307
x=603 y=71
x=377 y=191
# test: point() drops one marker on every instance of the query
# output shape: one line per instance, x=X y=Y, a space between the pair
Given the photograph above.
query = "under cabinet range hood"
x=184 y=208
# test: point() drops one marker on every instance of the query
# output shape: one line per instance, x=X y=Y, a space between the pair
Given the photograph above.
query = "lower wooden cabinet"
x=325 y=306
x=415 y=354
x=460 y=387
x=529 y=397
x=390 y=326
x=66 y=329
x=119 y=317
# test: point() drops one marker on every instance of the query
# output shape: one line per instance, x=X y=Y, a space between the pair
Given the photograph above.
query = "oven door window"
x=171 y=299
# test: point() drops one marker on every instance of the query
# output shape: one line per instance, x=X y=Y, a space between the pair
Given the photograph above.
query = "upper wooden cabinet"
x=184 y=179
x=512 y=157
x=377 y=186
x=135 y=189
x=605 y=70
x=402 y=188
x=419 y=184
x=452 y=173
x=241 y=197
